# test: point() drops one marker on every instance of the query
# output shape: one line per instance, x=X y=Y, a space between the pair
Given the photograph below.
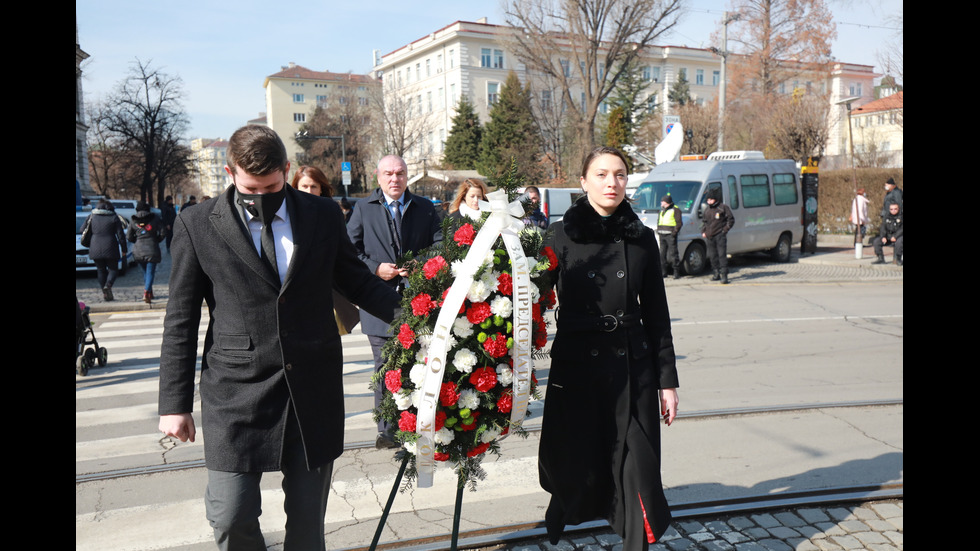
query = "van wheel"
x=695 y=259
x=782 y=251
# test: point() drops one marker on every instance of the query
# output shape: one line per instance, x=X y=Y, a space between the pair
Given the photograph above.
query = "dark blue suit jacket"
x=369 y=229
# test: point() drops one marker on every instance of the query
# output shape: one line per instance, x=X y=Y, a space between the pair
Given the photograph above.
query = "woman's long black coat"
x=600 y=441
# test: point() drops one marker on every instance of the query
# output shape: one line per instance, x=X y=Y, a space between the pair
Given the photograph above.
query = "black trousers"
x=718 y=251
x=669 y=256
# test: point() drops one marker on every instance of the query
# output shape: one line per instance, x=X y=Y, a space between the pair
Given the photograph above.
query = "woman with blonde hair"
x=467 y=200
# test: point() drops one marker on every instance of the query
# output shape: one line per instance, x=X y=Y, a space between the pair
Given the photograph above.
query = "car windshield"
x=648 y=195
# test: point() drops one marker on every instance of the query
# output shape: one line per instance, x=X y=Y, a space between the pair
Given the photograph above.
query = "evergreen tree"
x=619 y=131
x=463 y=143
x=630 y=94
x=680 y=91
x=511 y=133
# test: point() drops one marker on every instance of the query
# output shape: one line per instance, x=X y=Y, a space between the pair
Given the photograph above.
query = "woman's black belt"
x=570 y=321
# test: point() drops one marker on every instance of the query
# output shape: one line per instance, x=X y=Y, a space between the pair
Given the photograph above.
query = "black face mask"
x=262 y=206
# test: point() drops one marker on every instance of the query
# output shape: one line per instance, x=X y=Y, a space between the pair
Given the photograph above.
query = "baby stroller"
x=85 y=358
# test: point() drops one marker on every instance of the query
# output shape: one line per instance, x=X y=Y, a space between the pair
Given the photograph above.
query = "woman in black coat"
x=613 y=372
x=107 y=240
x=146 y=231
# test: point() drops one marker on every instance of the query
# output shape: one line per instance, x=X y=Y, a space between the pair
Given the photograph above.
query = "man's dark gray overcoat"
x=268 y=346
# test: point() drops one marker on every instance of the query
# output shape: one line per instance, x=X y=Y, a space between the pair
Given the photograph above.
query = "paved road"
x=839 y=320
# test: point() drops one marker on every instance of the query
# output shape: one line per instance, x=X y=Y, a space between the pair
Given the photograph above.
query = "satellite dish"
x=670 y=148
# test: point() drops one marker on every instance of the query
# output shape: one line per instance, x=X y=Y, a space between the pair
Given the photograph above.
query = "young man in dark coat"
x=265 y=258
x=384 y=227
x=717 y=221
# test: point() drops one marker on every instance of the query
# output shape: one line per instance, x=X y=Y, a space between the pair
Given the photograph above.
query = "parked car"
x=82 y=261
x=764 y=196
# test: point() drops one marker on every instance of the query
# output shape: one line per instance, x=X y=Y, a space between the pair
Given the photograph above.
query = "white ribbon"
x=505 y=221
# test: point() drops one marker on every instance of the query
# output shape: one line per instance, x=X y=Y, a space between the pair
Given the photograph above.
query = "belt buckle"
x=605 y=323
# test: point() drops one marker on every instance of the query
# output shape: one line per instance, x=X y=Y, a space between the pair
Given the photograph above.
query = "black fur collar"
x=583 y=224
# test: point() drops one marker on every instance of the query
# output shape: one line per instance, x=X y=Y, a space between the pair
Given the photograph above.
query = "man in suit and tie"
x=264 y=257
x=385 y=226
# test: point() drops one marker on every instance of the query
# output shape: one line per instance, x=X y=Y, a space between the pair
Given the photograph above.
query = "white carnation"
x=502 y=306
x=445 y=436
x=462 y=327
x=490 y=435
x=479 y=291
x=505 y=375
x=411 y=447
x=468 y=399
x=417 y=374
x=403 y=400
x=464 y=360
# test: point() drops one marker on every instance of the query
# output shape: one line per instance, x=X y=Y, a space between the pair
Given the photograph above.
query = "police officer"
x=668 y=225
x=891 y=234
x=718 y=220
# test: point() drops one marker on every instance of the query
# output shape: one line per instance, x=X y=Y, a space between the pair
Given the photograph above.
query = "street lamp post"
x=723 y=52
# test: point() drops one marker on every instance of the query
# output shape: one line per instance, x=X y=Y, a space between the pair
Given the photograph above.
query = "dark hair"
x=258 y=150
x=535 y=189
x=598 y=152
x=315 y=174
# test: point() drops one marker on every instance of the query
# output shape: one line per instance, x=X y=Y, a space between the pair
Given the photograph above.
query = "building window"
x=362 y=101
x=715 y=78
x=699 y=77
x=655 y=72
x=452 y=93
x=428 y=100
x=645 y=72
x=321 y=101
x=452 y=59
x=682 y=73
x=442 y=98
x=299 y=117
x=298 y=98
x=855 y=89
x=485 y=57
x=546 y=100
x=428 y=67
x=418 y=72
x=493 y=91
x=498 y=59
x=439 y=63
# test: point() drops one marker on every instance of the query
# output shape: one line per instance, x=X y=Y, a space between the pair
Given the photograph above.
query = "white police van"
x=764 y=195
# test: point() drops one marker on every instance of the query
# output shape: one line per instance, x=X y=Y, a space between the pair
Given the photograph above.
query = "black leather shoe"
x=385 y=442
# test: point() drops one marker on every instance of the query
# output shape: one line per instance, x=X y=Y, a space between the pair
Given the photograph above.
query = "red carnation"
x=406 y=423
x=449 y=395
x=479 y=449
x=505 y=285
x=464 y=235
x=552 y=259
x=422 y=304
x=432 y=267
x=540 y=335
x=478 y=312
x=484 y=379
x=393 y=380
x=406 y=336
x=440 y=419
x=548 y=299
x=496 y=345
x=439 y=456
x=506 y=402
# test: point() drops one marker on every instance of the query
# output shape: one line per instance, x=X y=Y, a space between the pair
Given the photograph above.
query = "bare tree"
x=353 y=119
x=147 y=114
x=700 y=124
x=799 y=126
x=113 y=170
x=892 y=57
x=585 y=46
x=404 y=121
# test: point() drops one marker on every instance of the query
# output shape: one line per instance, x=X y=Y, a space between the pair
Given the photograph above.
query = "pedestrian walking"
x=105 y=237
x=146 y=231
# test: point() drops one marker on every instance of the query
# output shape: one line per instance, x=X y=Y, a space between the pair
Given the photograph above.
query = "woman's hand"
x=668 y=404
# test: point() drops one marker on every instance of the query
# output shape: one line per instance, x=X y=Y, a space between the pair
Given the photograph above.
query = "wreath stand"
x=391 y=500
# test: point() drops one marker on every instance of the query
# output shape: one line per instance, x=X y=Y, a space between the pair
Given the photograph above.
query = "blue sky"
x=223 y=51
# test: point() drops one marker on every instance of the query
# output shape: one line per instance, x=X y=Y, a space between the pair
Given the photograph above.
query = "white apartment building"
x=877 y=129
x=472 y=59
x=209 y=157
x=81 y=129
x=293 y=94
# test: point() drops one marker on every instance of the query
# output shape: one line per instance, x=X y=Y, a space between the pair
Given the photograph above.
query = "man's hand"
x=388 y=271
x=180 y=425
